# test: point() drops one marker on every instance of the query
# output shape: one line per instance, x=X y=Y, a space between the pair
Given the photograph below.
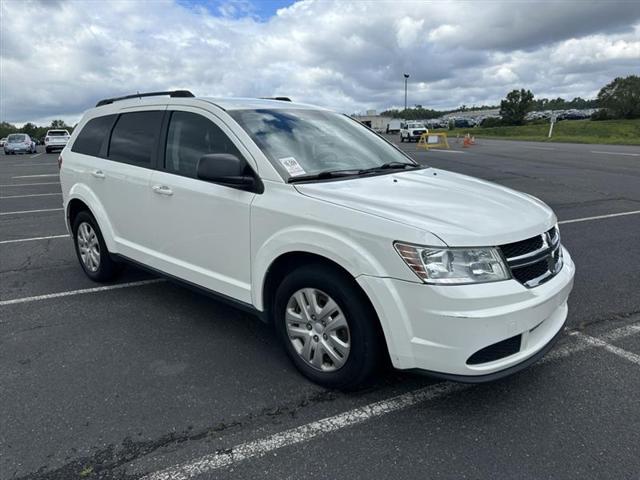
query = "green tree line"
x=618 y=99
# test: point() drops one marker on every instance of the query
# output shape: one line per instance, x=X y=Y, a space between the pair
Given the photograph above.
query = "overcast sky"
x=58 y=58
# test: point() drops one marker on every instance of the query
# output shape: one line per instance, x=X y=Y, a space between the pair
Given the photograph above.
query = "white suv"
x=56 y=140
x=355 y=252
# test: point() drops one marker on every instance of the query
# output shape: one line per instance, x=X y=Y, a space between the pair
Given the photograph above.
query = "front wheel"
x=328 y=327
x=91 y=250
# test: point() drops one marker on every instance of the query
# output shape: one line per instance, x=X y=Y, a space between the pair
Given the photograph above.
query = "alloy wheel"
x=88 y=246
x=318 y=329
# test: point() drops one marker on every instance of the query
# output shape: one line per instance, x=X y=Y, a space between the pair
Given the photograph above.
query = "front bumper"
x=436 y=329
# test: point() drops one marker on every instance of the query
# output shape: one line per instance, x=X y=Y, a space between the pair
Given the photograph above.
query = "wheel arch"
x=82 y=199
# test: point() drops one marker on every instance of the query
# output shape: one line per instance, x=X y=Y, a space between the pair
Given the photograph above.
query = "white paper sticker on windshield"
x=293 y=167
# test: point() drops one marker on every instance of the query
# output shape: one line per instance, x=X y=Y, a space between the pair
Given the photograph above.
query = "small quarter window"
x=191 y=136
x=93 y=136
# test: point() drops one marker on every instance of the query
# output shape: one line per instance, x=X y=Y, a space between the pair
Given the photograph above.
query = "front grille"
x=496 y=351
x=535 y=260
x=522 y=247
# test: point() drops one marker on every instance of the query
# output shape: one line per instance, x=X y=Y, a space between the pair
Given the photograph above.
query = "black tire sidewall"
x=365 y=335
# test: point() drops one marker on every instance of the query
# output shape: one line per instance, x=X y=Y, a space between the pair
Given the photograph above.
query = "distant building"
x=375 y=122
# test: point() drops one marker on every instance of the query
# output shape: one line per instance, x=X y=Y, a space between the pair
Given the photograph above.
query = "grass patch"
x=622 y=132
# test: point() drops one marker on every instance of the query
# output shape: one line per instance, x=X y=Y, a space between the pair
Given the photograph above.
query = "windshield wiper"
x=389 y=166
x=352 y=172
x=324 y=175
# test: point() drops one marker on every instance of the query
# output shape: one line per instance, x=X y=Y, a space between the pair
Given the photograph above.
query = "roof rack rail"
x=282 y=99
x=173 y=93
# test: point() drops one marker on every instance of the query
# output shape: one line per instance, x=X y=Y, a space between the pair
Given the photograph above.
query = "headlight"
x=454 y=266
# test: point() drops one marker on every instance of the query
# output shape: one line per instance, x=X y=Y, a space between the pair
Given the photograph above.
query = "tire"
x=92 y=252
x=47 y=150
x=401 y=139
x=362 y=335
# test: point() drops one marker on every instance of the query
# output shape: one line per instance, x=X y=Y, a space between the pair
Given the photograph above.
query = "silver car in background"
x=19 y=143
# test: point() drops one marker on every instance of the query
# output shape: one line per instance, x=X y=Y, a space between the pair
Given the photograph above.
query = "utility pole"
x=406 y=77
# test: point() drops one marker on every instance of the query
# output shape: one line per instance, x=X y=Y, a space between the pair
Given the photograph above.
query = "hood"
x=461 y=210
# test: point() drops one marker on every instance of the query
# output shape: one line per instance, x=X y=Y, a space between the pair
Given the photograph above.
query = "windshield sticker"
x=293 y=167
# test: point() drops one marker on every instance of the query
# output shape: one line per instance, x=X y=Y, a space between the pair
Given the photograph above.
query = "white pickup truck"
x=56 y=140
x=411 y=131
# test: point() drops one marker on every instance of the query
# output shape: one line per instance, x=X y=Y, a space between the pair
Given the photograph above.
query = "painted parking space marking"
x=81 y=291
x=31 y=195
x=304 y=433
x=617 y=153
x=28 y=184
x=599 y=217
x=33 y=239
x=541 y=148
x=32 y=211
x=50 y=164
x=597 y=342
x=38 y=176
x=36 y=155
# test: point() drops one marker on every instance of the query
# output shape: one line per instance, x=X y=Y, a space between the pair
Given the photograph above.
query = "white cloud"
x=59 y=58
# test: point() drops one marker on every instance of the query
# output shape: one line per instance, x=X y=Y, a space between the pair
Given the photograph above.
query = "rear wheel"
x=91 y=250
x=327 y=326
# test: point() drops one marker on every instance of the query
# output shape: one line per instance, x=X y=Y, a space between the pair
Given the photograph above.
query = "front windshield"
x=307 y=142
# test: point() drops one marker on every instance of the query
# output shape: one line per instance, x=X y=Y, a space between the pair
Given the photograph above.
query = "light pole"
x=406 y=77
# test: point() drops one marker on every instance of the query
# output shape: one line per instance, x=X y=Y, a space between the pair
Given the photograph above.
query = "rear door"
x=123 y=177
x=201 y=228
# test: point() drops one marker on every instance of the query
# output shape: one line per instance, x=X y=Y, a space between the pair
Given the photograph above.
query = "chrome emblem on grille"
x=546 y=238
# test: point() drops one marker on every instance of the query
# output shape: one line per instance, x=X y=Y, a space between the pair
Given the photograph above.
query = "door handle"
x=98 y=173
x=162 y=190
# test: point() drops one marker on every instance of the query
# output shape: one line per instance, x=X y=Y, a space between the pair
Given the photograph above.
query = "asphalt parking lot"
x=146 y=379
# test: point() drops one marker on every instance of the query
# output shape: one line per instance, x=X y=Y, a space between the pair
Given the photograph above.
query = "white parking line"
x=541 y=148
x=309 y=431
x=31 y=164
x=71 y=293
x=617 y=153
x=28 y=184
x=596 y=342
x=31 y=195
x=32 y=211
x=449 y=151
x=19 y=240
x=599 y=217
x=41 y=175
x=36 y=155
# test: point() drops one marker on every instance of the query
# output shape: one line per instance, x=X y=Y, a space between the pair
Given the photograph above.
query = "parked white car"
x=411 y=131
x=56 y=140
x=355 y=252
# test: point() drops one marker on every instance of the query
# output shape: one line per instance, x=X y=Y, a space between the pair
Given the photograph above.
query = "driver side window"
x=190 y=136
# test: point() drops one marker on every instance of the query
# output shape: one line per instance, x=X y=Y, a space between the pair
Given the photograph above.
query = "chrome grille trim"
x=546 y=259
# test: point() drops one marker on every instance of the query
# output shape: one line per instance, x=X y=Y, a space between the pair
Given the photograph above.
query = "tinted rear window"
x=57 y=133
x=93 y=135
x=135 y=137
x=16 y=138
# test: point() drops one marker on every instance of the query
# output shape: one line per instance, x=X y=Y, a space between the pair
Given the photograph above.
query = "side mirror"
x=225 y=169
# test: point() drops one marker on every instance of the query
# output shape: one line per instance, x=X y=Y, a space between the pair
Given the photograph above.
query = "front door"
x=201 y=229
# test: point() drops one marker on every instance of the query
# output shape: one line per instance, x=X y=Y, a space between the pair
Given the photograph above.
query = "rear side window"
x=135 y=137
x=191 y=136
x=93 y=135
